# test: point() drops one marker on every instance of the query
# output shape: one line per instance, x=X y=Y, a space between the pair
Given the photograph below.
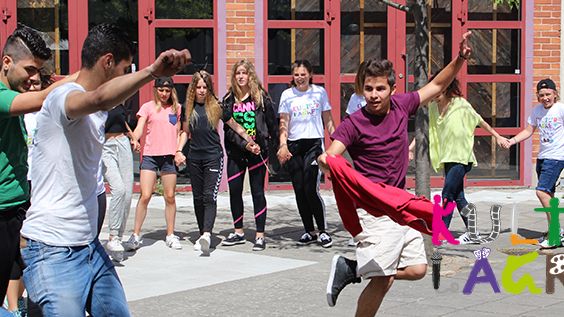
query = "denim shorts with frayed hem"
x=548 y=172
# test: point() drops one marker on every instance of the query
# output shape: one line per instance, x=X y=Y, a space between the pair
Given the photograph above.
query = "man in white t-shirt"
x=548 y=117
x=68 y=271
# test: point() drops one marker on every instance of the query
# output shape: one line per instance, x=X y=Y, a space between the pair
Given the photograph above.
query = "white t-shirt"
x=551 y=132
x=304 y=108
x=31 y=128
x=356 y=102
x=66 y=158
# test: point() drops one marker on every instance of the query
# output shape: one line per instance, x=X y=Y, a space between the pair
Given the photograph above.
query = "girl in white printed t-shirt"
x=303 y=109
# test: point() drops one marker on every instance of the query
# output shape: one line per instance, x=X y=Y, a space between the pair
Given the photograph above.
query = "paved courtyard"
x=288 y=280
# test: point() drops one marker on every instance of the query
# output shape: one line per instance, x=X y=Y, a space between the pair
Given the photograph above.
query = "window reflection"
x=198 y=41
x=50 y=18
x=287 y=45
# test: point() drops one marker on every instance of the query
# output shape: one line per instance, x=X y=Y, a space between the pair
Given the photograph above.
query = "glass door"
x=297 y=29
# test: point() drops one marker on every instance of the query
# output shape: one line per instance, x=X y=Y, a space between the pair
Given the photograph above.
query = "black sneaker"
x=307 y=239
x=260 y=244
x=343 y=273
x=233 y=239
x=325 y=240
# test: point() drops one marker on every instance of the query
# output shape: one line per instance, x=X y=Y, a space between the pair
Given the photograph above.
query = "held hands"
x=170 y=62
x=465 y=50
x=253 y=148
x=283 y=154
x=135 y=145
x=504 y=143
x=179 y=158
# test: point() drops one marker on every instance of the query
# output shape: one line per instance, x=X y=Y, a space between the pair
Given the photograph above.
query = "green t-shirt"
x=451 y=137
x=14 y=188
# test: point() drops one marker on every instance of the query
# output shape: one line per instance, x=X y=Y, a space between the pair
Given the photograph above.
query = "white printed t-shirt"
x=356 y=102
x=64 y=206
x=304 y=108
x=551 y=131
x=31 y=128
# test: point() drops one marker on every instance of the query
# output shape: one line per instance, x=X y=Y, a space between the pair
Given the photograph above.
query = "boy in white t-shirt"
x=548 y=117
x=67 y=270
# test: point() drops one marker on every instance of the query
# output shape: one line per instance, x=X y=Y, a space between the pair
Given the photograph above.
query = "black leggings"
x=11 y=221
x=304 y=172
x=205 y=176
x=236 y=166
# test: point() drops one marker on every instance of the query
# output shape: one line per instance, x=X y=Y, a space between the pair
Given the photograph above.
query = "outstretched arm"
x=32 y=101
x=117 y=90
x=501 y=141
x=521 y=136
x=447 y=75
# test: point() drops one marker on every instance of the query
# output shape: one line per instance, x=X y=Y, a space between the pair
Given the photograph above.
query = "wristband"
x=178 y=151
x=462 y=56
x=282 y=145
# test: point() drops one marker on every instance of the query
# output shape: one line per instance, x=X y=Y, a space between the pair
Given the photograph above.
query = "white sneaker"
x=173 y=242
x=204 y=244
x=545 y=245
x=114 y=245
x=133 y=243
x=197 y=246
x=351 y=242
x=465 y=239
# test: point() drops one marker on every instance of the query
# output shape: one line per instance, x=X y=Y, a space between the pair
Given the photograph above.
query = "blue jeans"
x=453 y=189
x=67 y=281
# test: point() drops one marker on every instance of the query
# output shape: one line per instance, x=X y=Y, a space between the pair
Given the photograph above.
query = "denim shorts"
x=548 y=172
x=163 y=163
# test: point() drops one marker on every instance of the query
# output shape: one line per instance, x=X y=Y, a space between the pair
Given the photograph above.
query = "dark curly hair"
x=103 y=39
x=25 y=42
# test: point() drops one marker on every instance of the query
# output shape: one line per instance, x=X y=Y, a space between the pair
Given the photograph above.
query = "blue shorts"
x=548 y=172
x=163 y=163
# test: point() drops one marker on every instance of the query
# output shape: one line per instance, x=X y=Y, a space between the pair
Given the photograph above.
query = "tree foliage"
x=513 y=4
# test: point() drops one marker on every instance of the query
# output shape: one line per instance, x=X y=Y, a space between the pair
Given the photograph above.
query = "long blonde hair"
x=256 y=88
x=213 y=109
x=173 y=99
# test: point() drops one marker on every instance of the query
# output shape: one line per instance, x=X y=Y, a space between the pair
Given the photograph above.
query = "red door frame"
x=505 y=78
x=326 y=24
x=461 y=24
x=147 y=26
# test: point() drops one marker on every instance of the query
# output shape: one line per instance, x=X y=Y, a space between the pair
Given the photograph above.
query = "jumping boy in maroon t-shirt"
x=376 y=138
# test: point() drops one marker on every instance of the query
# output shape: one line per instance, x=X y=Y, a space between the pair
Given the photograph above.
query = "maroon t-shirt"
x=379 y=145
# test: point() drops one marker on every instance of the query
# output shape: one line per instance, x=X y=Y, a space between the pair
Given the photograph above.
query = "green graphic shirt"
x=14 y=188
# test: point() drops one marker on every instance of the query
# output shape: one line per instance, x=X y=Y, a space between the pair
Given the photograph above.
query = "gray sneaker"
x=133 y=243
x=343 y=273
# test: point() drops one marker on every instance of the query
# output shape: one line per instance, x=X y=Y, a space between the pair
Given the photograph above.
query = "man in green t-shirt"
x=22 y=57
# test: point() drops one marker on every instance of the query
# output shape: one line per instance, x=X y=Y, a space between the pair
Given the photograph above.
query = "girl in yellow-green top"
x=452 y=121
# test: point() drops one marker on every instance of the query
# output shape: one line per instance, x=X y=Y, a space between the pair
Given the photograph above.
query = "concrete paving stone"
x=419 y=309
x=506 y=309
x=300 y=290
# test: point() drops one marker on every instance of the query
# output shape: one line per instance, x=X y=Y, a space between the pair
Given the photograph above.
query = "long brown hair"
x=213 y=109
x=256 y=88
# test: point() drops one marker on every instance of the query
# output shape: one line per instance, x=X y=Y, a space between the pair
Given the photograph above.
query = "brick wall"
x=546 y=55
x=240 y=27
